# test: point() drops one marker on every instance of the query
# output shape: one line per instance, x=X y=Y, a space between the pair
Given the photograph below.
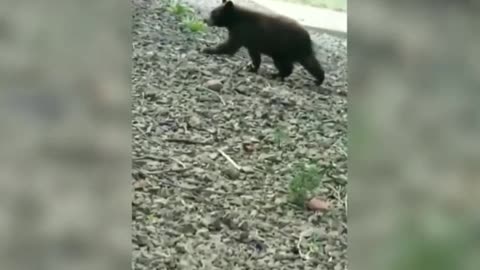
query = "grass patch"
x=187 y=16
x=306 y=178
x=280 y=136
x=339 y=5
x=193 y=24
x=178 y=9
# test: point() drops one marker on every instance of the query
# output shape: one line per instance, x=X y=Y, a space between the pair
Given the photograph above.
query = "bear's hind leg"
x=284 y=67
x=311 y=64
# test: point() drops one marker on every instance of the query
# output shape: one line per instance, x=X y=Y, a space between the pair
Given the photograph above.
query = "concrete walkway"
x=317 y=19
x=331 y=21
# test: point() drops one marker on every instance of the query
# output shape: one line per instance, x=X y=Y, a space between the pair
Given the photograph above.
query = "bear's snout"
x=208 y=21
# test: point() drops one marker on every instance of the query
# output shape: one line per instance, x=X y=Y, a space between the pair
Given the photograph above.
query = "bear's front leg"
x=256 y=60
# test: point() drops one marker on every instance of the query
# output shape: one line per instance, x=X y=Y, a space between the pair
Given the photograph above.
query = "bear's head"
x=221 y=16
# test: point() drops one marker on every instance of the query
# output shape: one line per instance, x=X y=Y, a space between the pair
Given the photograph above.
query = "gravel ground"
x=191 y=208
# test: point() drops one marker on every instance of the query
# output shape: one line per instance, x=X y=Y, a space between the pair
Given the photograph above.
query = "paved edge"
x=316 y=28
x=335 y=33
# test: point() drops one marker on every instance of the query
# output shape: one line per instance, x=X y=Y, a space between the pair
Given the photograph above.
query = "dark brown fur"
x=279 y=37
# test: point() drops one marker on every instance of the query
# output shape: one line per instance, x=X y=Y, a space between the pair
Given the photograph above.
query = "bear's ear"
x=228 y=4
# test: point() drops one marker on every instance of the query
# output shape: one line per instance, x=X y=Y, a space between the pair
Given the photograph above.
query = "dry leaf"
x=317 y=204
x=248 y=147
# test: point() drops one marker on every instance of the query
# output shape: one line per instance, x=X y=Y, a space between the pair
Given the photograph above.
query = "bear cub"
x=279 y=37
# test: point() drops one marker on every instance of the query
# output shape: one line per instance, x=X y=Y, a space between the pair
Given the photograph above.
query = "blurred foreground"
x=414 y=126
x=65 y=135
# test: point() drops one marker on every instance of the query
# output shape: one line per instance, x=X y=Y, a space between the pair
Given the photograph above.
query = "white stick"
x=229 y=159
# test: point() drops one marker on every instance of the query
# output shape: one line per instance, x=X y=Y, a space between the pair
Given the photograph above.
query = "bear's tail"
x=311 y=64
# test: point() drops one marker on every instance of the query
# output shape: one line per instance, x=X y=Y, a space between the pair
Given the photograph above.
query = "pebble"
x=215 y=85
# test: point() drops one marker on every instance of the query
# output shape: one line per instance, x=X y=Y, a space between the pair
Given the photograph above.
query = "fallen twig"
x=216 y=94
x=334 y=144
x=150 y=157
x=169 y=183
x=166 y=171
x=303 y=256
x=186 y=141
x=179 y=162
x=141 y=131
x=229 y=159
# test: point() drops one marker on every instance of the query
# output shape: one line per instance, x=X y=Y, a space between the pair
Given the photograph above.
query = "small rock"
x=206 y=72
x=212 y=67
x=140 y=184
x=206 y=99
x=180 y=248
x=266 y=92
x=231 y=173
x=242 y=89
x=248 y=169
x=142 y=240
x=280 y=201
x=151 y=92
x=188 y=229
x=215 y=85
x=209 y=177
x=243 y=236
x=215 y=225
x=195 y=121
x=213 y=155
x=150 y=54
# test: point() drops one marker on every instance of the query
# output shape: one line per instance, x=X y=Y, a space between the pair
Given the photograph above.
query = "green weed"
x=280 y=135
x=178 y=9
x=194 y=24
x=306 y=178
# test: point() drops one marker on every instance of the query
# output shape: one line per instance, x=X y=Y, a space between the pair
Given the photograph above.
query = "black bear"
x=279 y=37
